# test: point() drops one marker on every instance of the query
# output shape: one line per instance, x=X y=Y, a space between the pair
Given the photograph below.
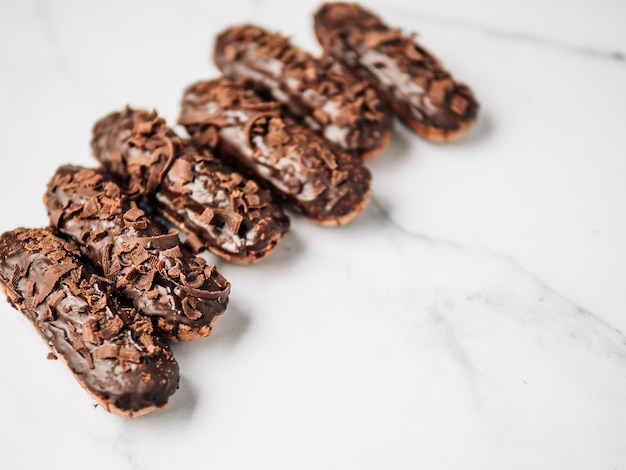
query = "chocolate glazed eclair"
x=344 y=109
x=215 y=206
x=146 y=262
x=326 y=185
x=110 y=349
x=410 y=79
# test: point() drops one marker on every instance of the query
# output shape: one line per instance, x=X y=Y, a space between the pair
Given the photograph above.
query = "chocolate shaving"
x=459 y=105
x=30 y=288
x=343 y=108
x=138 y=255
x=190 y=309
x=325 y=184
x=194 y=243
x=55 y=217
x=159 y=242
x=193 y=279
x=46 y=314
x=148 y=343
x=128 y=143
x=410 y=79
x=375 y=38
x=106 y=351
x=232 y=220
x=412 y=52
x=183 y=170
x=135 y=260
x=16 y=276
x=91 y=208
x=90 y=333
x=129 y=354
x=55 y=298
x=79 y=345
x=145 y=281
x=52 y=276
x=133 y=214
x=111 y=328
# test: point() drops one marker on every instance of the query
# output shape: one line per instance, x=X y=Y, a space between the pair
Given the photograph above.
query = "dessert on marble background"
x=216 y=207
x=147 y=168
x=324 y=184
x=145 y=261
x=111 y=350
x=344 y=109
x=408 y=77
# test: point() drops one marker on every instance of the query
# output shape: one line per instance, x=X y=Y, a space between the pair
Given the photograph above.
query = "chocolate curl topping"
x=191 y=186
x=409 y=78
x=344 y=109
x=151 y=150
x=323 y=183
x=141 y=257
x=111 y=350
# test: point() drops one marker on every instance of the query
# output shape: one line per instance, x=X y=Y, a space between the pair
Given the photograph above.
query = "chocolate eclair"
x=325 y=184
x=344 y=109
x=214 y=205
x=410 y=79
x=109 y=348
x=145 y=261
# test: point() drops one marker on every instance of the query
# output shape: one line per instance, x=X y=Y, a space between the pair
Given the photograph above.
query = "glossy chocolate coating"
x=146 y=262
x=407 y=76
x=344 y=109
x=215 y=206
x=110 y=349
x=327 y=185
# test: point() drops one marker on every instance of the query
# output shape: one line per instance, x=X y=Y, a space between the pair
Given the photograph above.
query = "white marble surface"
x=472 y=317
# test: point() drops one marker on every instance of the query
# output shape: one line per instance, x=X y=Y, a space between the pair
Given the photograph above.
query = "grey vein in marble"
x=615 y=55
x=384 y=213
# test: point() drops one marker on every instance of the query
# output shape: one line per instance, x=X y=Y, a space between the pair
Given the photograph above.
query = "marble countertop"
x=471 y=317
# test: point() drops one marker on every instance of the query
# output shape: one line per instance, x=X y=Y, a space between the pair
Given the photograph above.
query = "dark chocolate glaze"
x=344 y=109
x=215 y=206
x=321 y=182
x=407 y=76
x=145 y=261
x=110 y=349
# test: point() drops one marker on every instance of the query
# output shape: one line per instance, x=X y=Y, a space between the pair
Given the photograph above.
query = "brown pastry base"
x=346 y=219
x=106 y=404
x=432 y=133
x=182 y=332
x=244 y=261
x=384 y=141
